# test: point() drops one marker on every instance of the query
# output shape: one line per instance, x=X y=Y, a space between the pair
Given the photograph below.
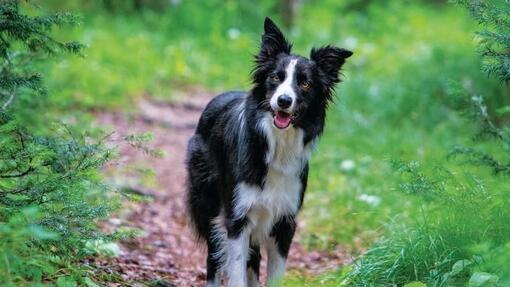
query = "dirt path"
x=166 y=253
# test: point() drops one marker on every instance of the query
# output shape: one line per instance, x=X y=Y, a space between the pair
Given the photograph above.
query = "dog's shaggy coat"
x=248 y=159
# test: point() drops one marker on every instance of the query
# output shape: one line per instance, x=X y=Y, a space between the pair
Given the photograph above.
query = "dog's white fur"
x=285 y=88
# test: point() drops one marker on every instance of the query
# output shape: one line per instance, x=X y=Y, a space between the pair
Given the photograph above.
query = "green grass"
x=395 y=103
x=296 y=279
x=156 y=54
x=406 y=111
x=462 y=219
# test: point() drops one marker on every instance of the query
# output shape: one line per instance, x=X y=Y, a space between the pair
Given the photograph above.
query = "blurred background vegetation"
x=408 y=168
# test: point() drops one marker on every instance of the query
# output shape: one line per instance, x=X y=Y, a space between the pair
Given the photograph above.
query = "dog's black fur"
x=231 y=146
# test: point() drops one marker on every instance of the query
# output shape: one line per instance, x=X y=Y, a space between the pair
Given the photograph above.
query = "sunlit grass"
x=393 y=104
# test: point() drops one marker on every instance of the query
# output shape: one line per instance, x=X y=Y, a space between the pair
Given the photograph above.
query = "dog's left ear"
x=273 y=41
x=330 y=60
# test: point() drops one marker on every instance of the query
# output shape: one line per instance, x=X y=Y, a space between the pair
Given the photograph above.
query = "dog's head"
x=289 y=85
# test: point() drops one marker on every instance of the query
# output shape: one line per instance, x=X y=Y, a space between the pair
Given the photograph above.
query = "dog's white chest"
x=285 y=158
x=280 y=195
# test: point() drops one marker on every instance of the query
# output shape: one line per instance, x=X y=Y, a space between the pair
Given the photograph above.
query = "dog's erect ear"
x=330 y=60
x=273 y=41
x=273 y=44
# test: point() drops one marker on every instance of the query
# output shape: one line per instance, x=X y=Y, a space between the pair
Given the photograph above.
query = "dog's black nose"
x=284 y=101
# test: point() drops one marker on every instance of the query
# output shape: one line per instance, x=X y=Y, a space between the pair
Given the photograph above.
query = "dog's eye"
x=305 y=85
x=275 y=78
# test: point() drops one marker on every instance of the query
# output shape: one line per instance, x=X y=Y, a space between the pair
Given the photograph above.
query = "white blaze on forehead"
x=285 y=88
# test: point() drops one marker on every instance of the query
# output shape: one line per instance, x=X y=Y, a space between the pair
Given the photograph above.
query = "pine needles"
x=51 y=194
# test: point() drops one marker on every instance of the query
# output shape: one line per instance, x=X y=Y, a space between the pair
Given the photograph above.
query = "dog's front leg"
x=276 y=263
x=278 y=247
x=254 y=265
x=238 y=246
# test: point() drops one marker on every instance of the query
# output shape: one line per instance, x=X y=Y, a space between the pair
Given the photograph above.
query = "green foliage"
x=486 y=129
x=158 y=53
x=394 y=103
x=23 y=39
x=460 y=211
x=494 y=17
x=33 y=31
x=460 y=232
x=57 y=175
x=51 y=194
x=295 y=279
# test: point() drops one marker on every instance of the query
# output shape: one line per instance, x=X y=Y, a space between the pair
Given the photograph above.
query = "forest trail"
x=166 y=253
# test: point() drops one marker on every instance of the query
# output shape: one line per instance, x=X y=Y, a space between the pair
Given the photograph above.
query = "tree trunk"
x=288 y=9
x=137 y=4
x=108 y=5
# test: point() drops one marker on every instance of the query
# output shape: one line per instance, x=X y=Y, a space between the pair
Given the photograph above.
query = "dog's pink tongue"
x=281 y=120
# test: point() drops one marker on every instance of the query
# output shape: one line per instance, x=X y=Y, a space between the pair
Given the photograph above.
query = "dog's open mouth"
x=282 y=119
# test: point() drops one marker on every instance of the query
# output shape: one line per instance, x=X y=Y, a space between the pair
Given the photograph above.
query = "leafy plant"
x=461 y=227
x=494 y=39
x=51 y=194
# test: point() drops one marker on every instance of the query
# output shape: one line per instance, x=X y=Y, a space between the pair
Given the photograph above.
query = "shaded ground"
x=166 y=252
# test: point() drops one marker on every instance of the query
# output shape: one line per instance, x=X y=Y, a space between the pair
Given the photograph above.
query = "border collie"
x=247 y=162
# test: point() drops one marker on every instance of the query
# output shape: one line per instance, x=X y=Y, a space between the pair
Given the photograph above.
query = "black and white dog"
x=248 y=159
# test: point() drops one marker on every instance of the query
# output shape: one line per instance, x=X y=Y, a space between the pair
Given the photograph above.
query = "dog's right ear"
x=273 y=44
x=273 y=41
